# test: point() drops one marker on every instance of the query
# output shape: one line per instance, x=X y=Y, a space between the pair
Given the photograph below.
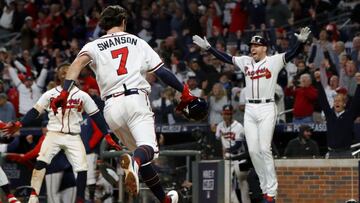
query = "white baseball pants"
x=259 y=124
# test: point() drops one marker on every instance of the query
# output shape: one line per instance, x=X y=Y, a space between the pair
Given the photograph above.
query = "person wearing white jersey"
x=261 y=73
x=4 y=182
x=63 y=133
x=120 y=62
x=232 y=136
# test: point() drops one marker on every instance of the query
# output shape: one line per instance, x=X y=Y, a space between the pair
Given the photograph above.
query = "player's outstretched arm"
x=296 y=49
x=170 y=79
x=72 y=74
x=14 y=126
x=204 y=44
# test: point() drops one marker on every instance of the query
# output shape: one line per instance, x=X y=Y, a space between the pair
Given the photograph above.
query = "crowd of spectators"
x=51 y=32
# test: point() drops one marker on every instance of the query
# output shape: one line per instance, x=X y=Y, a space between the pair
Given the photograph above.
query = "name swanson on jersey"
x=110 y=42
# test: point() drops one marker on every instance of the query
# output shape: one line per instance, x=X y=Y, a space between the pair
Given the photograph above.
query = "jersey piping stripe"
x=252 y=81
x=156 y=67
x=90 y=114
x=258 y=94
x=105 y=36
x=84 y=53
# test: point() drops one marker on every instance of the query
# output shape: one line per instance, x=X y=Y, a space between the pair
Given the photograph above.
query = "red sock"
x=79 y=200
x=167 y=199
x=10 y=196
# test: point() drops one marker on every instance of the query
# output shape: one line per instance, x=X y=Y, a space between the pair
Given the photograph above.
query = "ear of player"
x=192 y=107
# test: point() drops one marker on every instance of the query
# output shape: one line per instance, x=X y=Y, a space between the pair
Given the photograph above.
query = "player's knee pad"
x=40 y=165
x=147 y=150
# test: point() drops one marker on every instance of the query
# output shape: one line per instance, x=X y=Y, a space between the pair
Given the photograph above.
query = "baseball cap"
x=228 y=109
x=191 y=75
x=3 y=49
x=259 y=40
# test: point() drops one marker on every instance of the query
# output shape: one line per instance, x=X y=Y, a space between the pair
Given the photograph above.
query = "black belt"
x=126 y=93
x=258 y=101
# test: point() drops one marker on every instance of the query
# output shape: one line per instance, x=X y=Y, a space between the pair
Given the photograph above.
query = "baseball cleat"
x=12 y=199
x=131 y=174
x=269 y=199
x=173 y=196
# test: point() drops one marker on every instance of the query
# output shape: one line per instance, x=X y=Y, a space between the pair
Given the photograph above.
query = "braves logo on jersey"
x=73 y=104
x=259 y=73
x=228 y=135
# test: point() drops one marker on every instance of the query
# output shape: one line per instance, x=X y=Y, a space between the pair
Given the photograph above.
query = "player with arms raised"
x=261 y=72
x=63 y=133
x=120 y=61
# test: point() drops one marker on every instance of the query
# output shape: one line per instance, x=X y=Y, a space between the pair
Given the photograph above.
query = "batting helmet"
x=196 y=110
x=259 y=40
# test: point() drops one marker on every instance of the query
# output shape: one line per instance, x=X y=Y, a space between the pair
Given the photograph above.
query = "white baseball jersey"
x=3 y=179
x=69 y=123
x=260 y=77
x=230 y=134
x=121 y=58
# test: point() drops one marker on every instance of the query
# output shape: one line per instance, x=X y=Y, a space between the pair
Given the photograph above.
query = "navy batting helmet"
x=197 y=109
x=259 y=40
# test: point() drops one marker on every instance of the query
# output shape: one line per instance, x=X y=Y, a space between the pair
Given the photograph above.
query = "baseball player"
x=63 y=133
x=120 y=61
x=60 y=179
x=261 y=73
x=4 y=182
x=232 y=136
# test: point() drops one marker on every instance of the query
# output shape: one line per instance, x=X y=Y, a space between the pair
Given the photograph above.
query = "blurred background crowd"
x=38 y=35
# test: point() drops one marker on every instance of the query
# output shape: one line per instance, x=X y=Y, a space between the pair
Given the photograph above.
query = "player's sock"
x=143 y=154
x=81 y=185
x=6 y=189
x=91 y=189
x=152 y=180
x=37 y=179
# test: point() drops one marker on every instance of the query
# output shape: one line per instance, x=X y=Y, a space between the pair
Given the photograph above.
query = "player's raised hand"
x=185 y=98
x=203 y=43
x=112 y=143
x=10 y=128
x=303 y=35
x=59 y=101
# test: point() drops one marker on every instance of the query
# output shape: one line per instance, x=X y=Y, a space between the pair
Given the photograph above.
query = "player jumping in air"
x=120 y=61
x=63 y=133
x=261 y=72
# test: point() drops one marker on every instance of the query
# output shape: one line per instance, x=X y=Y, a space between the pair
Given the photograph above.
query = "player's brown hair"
x=112 y=16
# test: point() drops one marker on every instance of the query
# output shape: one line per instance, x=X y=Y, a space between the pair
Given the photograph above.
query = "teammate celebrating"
x=120 y=61
x=4 y=182
x=63 y=133
x=261 y=72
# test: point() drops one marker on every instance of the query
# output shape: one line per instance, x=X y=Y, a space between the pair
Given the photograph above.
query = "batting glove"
x=112 y=143
x=10 y=128
x=304 y=34
x=185 y=98
x=203 y=43
x=59 y=101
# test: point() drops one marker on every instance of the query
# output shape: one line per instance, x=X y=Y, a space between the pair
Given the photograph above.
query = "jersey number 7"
x=124 y=54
